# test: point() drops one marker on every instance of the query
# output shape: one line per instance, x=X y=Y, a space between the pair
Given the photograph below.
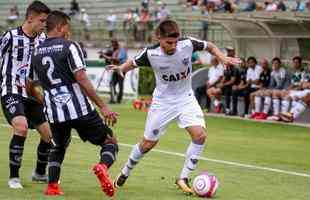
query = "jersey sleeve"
x=198 y=45
x=5 y=43
x=142 y=59
x=75 y=58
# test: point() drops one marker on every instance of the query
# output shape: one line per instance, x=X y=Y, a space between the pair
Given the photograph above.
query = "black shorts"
x=89 y=128
x=15 y=105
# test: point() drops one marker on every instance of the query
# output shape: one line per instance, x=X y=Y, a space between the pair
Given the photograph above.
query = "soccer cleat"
x=287 y=117
x=35 y=177
x=101 y=171
x=14 y=183
x=120 y=180
x=218 y=108
x=254 y=115
x=273 y=118
x=183 y=184
x=53 y=189
x=261 y=116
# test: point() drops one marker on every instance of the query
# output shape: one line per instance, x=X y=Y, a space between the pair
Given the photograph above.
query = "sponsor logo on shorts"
x=10 y=102
x=155 y=132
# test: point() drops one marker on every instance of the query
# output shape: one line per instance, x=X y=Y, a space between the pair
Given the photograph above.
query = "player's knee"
x=20 y=127
x=200 y=138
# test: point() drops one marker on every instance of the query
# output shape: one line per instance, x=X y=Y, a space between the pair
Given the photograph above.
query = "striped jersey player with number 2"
x=173 y=98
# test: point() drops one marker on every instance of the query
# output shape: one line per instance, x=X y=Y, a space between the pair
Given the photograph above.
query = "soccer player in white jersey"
x=173 y=98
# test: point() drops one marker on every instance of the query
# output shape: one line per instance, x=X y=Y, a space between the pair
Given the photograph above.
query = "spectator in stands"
x=215 y=75
x=250 y=6
x=111 y=23
x=225 y=6
x=193 y=4
x=13 y=16
x=74 y=7
x=205 y=24
x=308 y=5
x=143 y=25
x=263 y=84
x=164 y=12
x=128 y=22
x=145 y=4
x=270 y=6
x=281 y=6
x=84 y=19
x=300 y=6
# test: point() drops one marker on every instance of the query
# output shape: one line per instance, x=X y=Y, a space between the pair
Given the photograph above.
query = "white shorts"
x=298 y=94
x=186 y=114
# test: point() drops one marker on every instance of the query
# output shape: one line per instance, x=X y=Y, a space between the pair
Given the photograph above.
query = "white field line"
x=216 y=161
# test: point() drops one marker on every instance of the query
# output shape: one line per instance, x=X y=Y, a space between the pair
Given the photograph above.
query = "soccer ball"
x=205 y=185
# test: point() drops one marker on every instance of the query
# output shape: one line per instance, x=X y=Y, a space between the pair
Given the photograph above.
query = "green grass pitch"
x=265 y=145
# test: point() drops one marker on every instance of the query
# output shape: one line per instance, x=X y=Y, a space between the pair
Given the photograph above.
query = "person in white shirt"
x=173 y=97
x=215 y=75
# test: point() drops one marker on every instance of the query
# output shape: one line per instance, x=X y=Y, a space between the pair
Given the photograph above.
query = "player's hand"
x=110 y=117
x=231 y=61
x=116 y=69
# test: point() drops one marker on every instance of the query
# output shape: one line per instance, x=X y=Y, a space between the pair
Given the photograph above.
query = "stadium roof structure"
x=268 y=30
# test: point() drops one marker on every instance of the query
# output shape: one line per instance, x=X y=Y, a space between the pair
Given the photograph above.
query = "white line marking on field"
x=215 y=160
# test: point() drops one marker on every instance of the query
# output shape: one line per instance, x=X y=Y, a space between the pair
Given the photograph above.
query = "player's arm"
x=5 y=43
x=140 y=60
x=78 y=68
x=214 y=50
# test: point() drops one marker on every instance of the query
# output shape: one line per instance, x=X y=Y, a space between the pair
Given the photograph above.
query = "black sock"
x=55 y=159
x=108 y=154
x=16 y=153
x=42 y=157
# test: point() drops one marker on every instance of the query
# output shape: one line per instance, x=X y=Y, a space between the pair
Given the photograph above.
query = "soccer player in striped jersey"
x=16 y=47
x=173 y=98
x=59 y=66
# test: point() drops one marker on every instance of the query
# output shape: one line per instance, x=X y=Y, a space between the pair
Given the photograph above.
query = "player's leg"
x=91 y=128
x=276 y=100
x=256 y=101
x=235 y=95
x=61 y=136
x=267 y=104
x=121 y=89
x=299 y=104
x=13 y=108
x=286 y=100
x=157 y=120
x=35 y=114
x=192 y=119
x=227 y=90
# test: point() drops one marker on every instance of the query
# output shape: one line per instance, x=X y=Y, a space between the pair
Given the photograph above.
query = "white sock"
x=133 y=160
x=297 y=108
x=267 y=104
x=191 y=159
x=258 y=103
x=216 y=102
x=285 y=105
x=276 y=106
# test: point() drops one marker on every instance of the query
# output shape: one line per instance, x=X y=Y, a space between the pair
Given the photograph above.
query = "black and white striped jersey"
x=15 y=50
x=54 y=63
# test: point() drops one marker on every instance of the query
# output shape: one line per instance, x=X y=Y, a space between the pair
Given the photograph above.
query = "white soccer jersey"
x=253 y=74
x=215 y=73
x=172 y=72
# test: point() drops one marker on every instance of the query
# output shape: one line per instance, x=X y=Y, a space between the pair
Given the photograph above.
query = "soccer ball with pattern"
x=205 y=185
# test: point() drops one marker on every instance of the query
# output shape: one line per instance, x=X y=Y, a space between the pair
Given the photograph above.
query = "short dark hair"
x=56 y=18
x=297 y=58
x=168 y=28
x=252 y=58
x=37 y=7
x=276 y=59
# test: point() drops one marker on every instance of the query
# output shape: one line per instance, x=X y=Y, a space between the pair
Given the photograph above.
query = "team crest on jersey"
x=62 y=98
x=185 y=61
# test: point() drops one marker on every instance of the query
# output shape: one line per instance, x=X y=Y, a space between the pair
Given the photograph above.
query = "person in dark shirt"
x=239 y=89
